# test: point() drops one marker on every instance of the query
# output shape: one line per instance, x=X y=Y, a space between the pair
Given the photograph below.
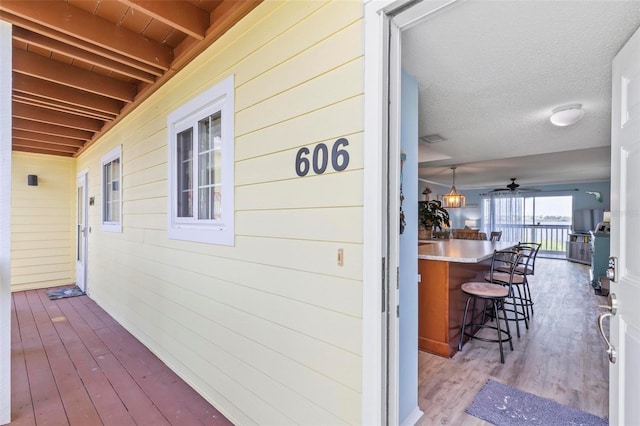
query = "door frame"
x=5 y=222
x=384 y=21
x=83 y=177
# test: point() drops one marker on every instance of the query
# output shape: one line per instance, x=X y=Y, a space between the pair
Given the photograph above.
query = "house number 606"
x=320 y=158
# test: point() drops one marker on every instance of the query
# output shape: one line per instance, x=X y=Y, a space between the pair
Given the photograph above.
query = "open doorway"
x=517 y=148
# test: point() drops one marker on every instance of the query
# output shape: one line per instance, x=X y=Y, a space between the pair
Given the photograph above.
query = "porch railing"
x=552 y=237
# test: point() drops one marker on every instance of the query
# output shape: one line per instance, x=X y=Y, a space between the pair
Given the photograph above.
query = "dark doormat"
x=504 y=405
x=61 y=293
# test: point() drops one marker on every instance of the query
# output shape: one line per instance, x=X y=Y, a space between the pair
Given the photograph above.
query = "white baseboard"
x=413 y=418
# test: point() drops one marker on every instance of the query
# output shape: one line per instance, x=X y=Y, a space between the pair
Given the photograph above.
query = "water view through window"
x=545 y=220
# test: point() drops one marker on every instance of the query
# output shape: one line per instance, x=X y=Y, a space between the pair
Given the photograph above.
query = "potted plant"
x=432 y=215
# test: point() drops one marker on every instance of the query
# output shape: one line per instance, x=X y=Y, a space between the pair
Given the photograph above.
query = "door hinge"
x=397 y=311
x=397 y=278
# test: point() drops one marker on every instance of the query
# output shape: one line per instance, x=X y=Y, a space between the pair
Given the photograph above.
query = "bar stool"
x=528 y=268
x=493 y=295
x=505 y=274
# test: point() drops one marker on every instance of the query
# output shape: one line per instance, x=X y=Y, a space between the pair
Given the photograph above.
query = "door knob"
x=611 y=350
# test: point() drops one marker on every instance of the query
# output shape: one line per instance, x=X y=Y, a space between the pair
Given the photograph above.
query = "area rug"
x=504 y=405
x=61 y=293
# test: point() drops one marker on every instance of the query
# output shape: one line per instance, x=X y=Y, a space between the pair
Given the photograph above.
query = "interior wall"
x=43 y=221
x=269 y=330
x=408 y=248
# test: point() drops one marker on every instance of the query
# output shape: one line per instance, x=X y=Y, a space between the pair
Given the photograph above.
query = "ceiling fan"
x=514 y=187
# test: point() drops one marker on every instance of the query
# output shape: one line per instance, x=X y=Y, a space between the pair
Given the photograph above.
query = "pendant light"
x=453 y=200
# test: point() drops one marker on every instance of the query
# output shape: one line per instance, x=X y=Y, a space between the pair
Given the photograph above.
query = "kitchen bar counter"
x=462 y=251
x=444 y=265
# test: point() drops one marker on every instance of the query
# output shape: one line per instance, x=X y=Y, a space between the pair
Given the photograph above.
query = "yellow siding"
x=43 y=217
x=269 y=330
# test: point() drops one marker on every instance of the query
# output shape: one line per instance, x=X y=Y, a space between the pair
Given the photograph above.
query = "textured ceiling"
x=489 y=74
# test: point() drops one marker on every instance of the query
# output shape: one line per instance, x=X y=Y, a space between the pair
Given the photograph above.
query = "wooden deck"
x=72 y=364
x=561 y=356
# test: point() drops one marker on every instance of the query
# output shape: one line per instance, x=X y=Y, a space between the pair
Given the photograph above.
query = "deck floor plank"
x=73 y=364
x=22 y=407
x=66 y=370
x=47 y=403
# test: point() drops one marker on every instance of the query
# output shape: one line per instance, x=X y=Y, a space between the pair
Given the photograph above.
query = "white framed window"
x=112 y=190
x=200 y=161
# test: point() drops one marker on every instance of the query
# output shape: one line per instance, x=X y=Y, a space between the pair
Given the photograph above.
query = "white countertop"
x=462 y=251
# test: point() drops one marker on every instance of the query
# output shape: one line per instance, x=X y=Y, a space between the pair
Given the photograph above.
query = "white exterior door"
x=624 y=374
x=81 y=232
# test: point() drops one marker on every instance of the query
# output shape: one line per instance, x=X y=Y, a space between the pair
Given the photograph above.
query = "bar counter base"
x=441 y=303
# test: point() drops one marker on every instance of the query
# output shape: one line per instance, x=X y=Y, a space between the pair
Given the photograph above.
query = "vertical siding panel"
x=268 y=330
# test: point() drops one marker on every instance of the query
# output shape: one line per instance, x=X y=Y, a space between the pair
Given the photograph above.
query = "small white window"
x=112 y=190
x=200 y=134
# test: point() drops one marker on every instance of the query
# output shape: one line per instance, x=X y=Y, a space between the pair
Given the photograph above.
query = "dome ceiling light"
x=567 y=115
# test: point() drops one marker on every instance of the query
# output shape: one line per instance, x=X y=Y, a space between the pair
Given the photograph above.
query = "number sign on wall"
x=318 y=160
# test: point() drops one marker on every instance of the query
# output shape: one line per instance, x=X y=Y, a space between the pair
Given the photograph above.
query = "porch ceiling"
x=79 y=66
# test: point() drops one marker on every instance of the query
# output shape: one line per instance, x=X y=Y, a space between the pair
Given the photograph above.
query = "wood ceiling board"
x=41 y=137
x=80 y=24
x=50 y=70
x=56 y=105
x=55 y=41
x=50 y=129
x=156 y=30
x=222 y=18
x=180 y=15
x=93 y=66
x=40 y=151
x=41 y=115
x=35 y=86
x=114 y=12
x=43 y=146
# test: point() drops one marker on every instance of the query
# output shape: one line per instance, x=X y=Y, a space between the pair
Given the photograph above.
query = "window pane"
x=184 y=159
x=554 y=210
x=209 y=166
x=115 y=190
x=111 y=191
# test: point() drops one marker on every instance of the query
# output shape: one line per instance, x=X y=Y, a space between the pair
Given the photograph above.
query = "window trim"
x=220 y=98
x=110 y=226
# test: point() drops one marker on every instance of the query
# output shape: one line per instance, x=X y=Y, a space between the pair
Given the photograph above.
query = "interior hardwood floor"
x=561 y=356
x=72 y=364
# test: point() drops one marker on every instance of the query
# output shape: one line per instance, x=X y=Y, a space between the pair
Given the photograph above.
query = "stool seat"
x=492 y=296
x=485 y=290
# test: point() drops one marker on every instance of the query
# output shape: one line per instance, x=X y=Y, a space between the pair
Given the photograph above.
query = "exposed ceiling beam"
x=83 y=55
x=46 y=89
x=56 y=105
x=41 y=137
x=47 y=69
x=50 y=129
x=73 y=21
x=222 y=18
x=28 y=112
x=34 y=27
x=19 y=143
x=181 y=15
